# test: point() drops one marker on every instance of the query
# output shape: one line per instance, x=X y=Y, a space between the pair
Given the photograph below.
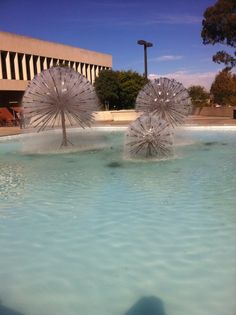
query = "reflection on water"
x=11 y=181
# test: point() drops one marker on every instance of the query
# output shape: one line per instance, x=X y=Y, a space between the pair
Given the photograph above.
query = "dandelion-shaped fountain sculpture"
x=165 y=103
x=149 y=137
x=59 y=96
x=165 y=98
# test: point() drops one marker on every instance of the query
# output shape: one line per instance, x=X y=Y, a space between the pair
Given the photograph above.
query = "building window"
x=48 y=62
x=35 y=58
x=77 y=67
x=55 y=62
x=20 y=57
x=27 y=58
x=41 y=63
x=4 y=67
x=86 y=70
x=12 y=65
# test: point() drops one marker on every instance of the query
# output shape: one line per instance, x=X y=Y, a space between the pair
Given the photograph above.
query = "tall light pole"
x=145 y=45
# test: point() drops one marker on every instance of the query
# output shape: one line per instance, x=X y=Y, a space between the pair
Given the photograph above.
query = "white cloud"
x=167 y=58
x=189 y=78
x=176 y=19
x=179 y=19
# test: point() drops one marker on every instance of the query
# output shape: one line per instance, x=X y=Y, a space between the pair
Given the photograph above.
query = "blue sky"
x=113 y=27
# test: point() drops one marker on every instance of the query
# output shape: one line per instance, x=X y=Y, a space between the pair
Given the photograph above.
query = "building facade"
x=21 y=58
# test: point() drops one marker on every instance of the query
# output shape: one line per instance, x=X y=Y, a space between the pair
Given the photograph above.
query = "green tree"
x=130 y=84
x=107 y=88
x=199 y=96
x=223 y=88
x=219 y=26
x=119 y=89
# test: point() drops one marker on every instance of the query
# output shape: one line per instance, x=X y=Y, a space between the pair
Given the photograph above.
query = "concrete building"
x=21 y=58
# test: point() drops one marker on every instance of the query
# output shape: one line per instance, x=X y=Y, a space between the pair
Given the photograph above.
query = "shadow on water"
x=114 y=164
x=4 y=310
x=150 y=305
x=210 y=143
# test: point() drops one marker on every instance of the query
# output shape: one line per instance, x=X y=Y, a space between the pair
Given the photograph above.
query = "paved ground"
x=210 y=121
x=191 y=120
x=7 y=131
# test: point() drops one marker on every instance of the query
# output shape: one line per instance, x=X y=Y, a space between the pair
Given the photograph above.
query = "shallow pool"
x=92 y=233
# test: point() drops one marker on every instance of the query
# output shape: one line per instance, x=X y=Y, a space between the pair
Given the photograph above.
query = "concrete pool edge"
x=118 y=128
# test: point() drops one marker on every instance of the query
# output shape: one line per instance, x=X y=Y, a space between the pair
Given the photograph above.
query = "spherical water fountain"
x=165 y=103
x=59 y=97
x=165 y=98
x=149 y=137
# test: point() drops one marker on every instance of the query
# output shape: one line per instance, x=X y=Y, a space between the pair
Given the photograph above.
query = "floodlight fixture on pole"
x=146 y=45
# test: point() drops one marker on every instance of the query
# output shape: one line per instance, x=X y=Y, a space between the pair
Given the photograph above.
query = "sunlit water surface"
x=90 y=233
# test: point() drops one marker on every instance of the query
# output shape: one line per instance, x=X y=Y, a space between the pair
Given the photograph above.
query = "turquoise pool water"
x=91 y=233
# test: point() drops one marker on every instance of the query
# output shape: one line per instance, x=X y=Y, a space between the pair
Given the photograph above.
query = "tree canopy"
x=199 y=95
x=223 y=88
x=219 y=26
x=118 y=89
x=107 y=88
x=130 y=84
